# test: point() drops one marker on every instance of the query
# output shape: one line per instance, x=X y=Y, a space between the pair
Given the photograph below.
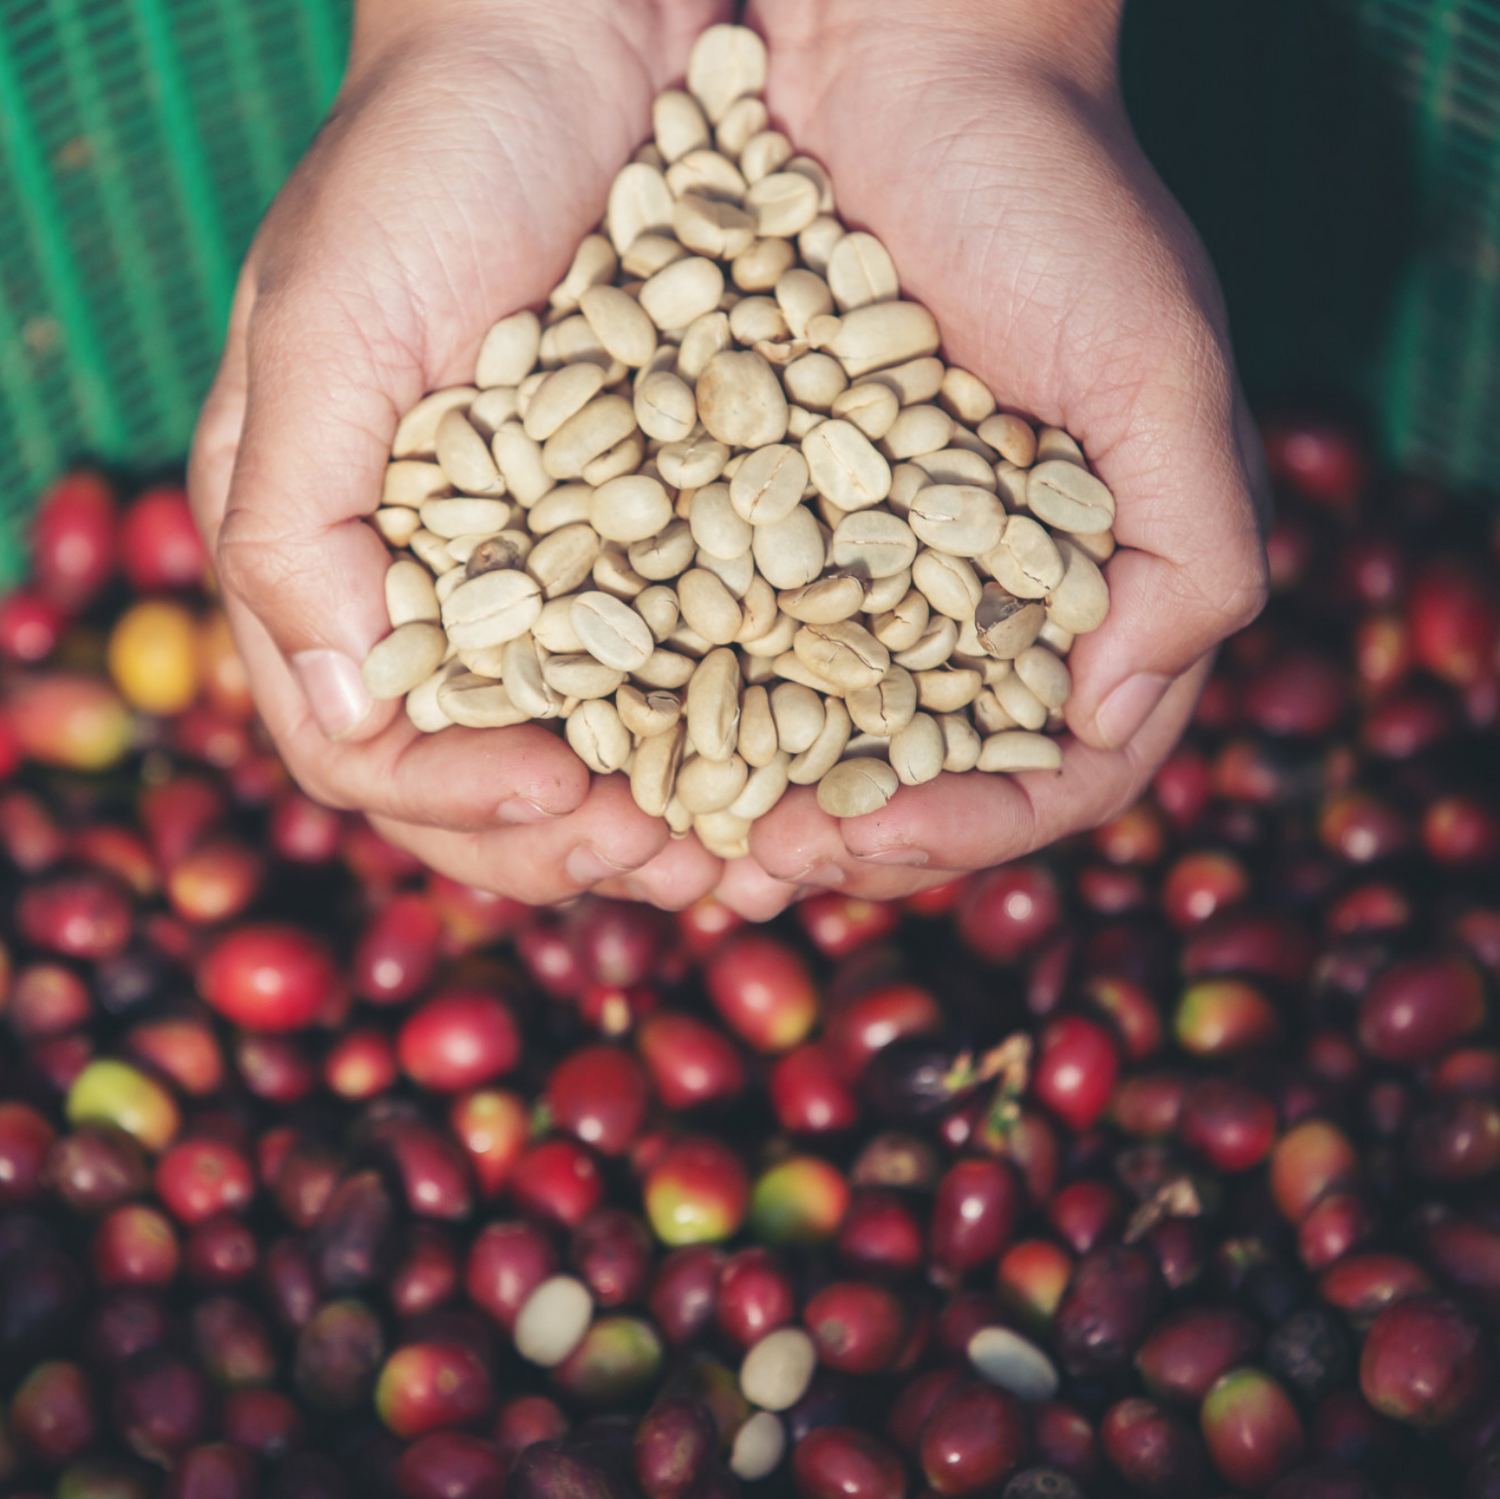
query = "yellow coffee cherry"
x=154 y=656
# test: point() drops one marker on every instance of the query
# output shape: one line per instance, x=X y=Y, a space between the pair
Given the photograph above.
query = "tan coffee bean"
x=1017 y=750
x=1010 y=485
x=814 y=382
x=586 y=434
x=757 y=743
x=855 y=788
x=934 y=646
x=1004 y=624
x=1027 y=562
x=760 y=267
x=1055 y=637
x=966 y=397
x=945 y=690
x=594 y=264
x=819 y=178
x=404 y=659
x=708 y=607
x=573 y=341
x=777 y=641
x=745 y=120
x=653 y=771
x=409 y=594
x=666 y=670
x=816 y=243
x=886 y=333
x=823 y=753
x=961 y=743
x=861 y=273
x=658 y=607
x=1080 y=602
x=799 y=714
x=510 y=348
x=640 y=202
x=954 y=465
x=710 y=785
x=918 y=750
x=611 y=631
x=755 y=320
x=844 y=653
x=491 y=609
x=948 y=583
x=914 y=382
x=790 y=667
x=707 y=174
x=825 y=601
x=562 y=560
x=411 y=481
x=886 y=707
x=726 y=63
x=789 y=552
x=717 y=526
x=708 y=336
x=649 y=254
x=396 y=524
x=581 y=676
x=765 y=152
x=462 y=516
x=723 y=834
x=422 y=706
x=616 y=462
x=630 y=508
x=522 y=672
x=918 y=430
x=1011 y=437
x=1045 y=676
x=479 y=703
x=873 y=543
x=735 y=573
x=665 y=555
x=899 y=628
x=959 y=519
x=708 y=226
x=873 y=408
x=802 y=295
x=1020 y=701
x=677 y=124
x=713 y=705
x=416 y=432
x=1097 y=546
x=740 y=401
x=432 y=551
x=567 y=505
x=1069 y=498
x=597 y=736
x=990 y=715
x=844 y=467
x=784 y=204
x=561 y=394
x=683 y=291
x=907 y=479
x=647 y=713
x=1055 y=445
x=553 y=630
x=678 y=818
x=769 y=484
x=764 y=787
x=693 y=462
x=520 y=461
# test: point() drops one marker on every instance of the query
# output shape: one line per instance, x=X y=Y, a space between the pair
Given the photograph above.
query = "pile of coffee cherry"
x=1164 y=1164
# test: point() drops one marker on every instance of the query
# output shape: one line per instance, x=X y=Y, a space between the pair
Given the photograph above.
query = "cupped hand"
x=987 y=146
x=471 y=148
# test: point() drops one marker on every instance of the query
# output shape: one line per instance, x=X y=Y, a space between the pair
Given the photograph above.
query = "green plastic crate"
x=1342 y=158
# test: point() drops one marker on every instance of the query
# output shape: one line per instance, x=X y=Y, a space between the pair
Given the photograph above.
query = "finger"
x=216 y=438
x=975 y=821
x=683 y=872
x=542 y=865
x=750 y=892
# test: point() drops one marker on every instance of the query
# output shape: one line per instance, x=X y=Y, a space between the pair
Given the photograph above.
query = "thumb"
x=293 y=546
x=1191 y=567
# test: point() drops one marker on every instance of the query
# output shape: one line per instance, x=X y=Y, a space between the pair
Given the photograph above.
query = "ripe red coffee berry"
x=1423 y=1362
x=1186 y=1353
x=458 y=1039
x=1229 y=1124
x=1416 y=1009
x=1075 y=1071
x=1252 y=1429
x=429 y=1386
x=268 y=977
x=840 y=1462
x=809 y=1094
x=599 y=1094
x=755 y=1296
x=507 y=1262
x=858 y=1326
x=974 y=1436
x=1153 y=1451
x=762 y=990
x=160 y=546
x=557 y=1181
x=73 y=540
x=690 y=1063
x=973 y=1214
x=1005 y=913
x=198 y=1178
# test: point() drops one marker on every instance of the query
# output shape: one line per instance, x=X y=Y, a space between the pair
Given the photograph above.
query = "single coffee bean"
x=899 y=628
x=844 y=466
x=778 y=1368
x=520 y=461
x=946 y=689
x=861 y=272
x=1045 y=675
x=1027 y=562
x=934 y=646
x=710 y=785
x=640 y=202
x=1005 y=624
x=764 y=787
x=678 y=125
x=594 y=264
x=611 y=631
x=416 y=432
x=799 y=714
x=664 y=407
x=917 y=750
x=759 y=607
x=1052 y=443
x=409 y=594
x=605 y=421
x=735 y=573
x=630 y=508
x=726 y=63
x=620 y=324
x=658 y=607
x=647 y=713
x=872 y=407
x=757 y=741
x=960 y=519
x=884 y=334
x=816 y=243
x=560 y=395
x=961 y=742
x=553 y=630
x=614 y=574
x=463 y=516
x=509 y=350
x=723 y=834
x=713 y=705
x=1018 y=750
x=404 y=659
x=759 y=268
x=832 y=598
x=396 y=525
x=492 y=409
x=708 y=606
x=740 y=401
x=665 y=555
x=958 y=465
x=580 y=676
x=653 y=771
x=855 y=788
x=966 y=397
x=915 y=382
x=1080 y=602
x=665 y=669
x=562 y=560
x=757 y=320
x=948 y=584
x=596 y=735
x=802 y=295
x=478 y=702
x=990 y=715
x=784 y=204
x=1011 y=437
x=521 y=670
x=1020 y=702
x=553 y=1320
x=873 y=543
x=765 y=152
x=789 y=552
x=411 y=482
x=886 y=707
x=1097 y=546
x=491 y=609
x=844 y=653
x=718 y=527
x=707 y=174
x=768 y=486
x=710 y=226
x=814 y=382
x=1068 y=497
x=919 y=430
x=693 y=462
x=422 y=706
x=682 y=291
x=465 y=456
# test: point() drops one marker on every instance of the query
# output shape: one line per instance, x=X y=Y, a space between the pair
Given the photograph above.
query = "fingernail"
x=1129 y=706
x=636 y=891
x=821 y=876
x=516 y=809
x=909 y=858
x=331 y=683
x=586 y=867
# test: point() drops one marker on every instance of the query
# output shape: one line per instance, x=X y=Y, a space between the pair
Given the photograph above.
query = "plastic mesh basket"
x=1341 y=156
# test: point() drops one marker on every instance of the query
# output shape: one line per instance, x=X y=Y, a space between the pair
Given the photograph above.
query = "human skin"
x=983 y=140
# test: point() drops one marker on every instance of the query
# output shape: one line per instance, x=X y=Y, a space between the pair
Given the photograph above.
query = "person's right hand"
x=470 y=150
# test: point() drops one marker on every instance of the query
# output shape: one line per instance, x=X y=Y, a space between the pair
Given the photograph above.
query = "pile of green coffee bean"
x=721 y=512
